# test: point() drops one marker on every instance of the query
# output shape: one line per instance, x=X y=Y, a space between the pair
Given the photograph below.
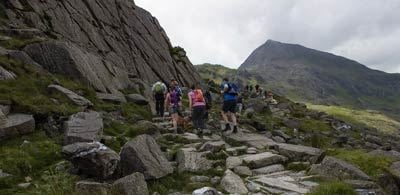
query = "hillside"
x=314 y=76
x=215 y=72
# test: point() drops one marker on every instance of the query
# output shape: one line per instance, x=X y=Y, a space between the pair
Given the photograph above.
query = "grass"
x=367 y=118
x=371 y=165
x=36 y=159
x=333 y=188
x=18 y=43
x=311 y=125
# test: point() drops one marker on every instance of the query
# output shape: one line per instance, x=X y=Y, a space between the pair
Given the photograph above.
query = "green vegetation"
x=216 y=73
x=36 y=158
x=333 y=188
x=311 y=125
x=368 y=118
x=371 y=165
x=18 y=43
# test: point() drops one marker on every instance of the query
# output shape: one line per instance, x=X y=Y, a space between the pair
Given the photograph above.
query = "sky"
x=227 y=31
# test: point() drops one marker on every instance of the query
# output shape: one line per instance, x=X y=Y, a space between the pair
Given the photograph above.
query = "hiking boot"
x=235 y=130
x=227 y=127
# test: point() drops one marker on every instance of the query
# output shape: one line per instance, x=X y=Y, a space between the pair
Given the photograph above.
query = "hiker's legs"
x=200 y=112
x=195 y=117
x=175 y=120
x=162 y=107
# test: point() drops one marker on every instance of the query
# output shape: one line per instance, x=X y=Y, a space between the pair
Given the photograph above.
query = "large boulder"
x=233 y=184
x=133 y=184
x=92 y=159
x=15 y=125
x=334 y=168
x=143 y=155
x=83 y=127
x=263 y=159
x=137 y=99
x=300 y=153
x=190 y=160
x=91 y=188
x=77 y=99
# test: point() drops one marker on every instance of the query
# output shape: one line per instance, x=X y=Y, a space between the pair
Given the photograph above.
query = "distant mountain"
x=320 y=77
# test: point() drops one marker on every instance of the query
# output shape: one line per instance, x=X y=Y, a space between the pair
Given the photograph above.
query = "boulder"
x=77 y=99
x=130 y=185
x=137 y=99
x=233 y=184
x=280 y=183
x=110 y=97
x=6 y=75
x=190 y=160
x=83 y=127
x=395 y=170
x=16 y=125
x=213 y=146
x=5 y=108
x=92 y=159
x=242 y=171
x=300 y=153
x=263 y=159
x=143 y=155
x=91 y=188
x=206 y=191
x=386 y=153
x=268 y=169
x=334 y=168
x=232 y=162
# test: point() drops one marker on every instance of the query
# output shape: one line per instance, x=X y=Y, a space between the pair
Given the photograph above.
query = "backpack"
x=158 y=88
x=175 y=97
x=198 y=96
x=233 y=89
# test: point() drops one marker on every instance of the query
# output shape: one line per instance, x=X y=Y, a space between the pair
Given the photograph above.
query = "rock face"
x=101 y=41
x=338 y=169
x=92 y=159
x=83 y=127
x=6 y=75
x=16 y=125
x=143 y=155
x=233 y=184
x=77 y=99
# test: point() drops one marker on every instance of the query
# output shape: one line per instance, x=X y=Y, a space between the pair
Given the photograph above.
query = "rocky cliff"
x=100 y=41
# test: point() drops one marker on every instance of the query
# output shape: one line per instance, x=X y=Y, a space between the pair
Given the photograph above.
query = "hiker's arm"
x=190 y=101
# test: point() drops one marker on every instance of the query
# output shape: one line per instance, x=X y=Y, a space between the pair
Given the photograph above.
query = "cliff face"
x=105 y=42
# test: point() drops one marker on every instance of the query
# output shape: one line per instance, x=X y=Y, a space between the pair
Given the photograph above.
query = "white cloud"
x=227 y=31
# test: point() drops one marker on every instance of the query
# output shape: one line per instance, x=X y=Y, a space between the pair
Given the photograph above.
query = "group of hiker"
x=169 y=98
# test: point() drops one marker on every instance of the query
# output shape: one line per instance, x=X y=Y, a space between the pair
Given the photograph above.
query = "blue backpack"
x=233 y=89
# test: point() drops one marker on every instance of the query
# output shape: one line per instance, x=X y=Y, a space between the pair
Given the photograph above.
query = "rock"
x=3 y=174
x=215 y=180
x=300 y=153
x=390 y=154
x=281 y=184
x=251 y=139
x=3 y=119
x=251 y=150
x=395 y=170
x=143 y=155
x=24 y=185
x=268 y=169
x=263 y=159
x=6 y=75
x=83 y=127
x=281 y=134
x=130 y=185
x=92 y=159
x=200 y=179
x=242 y=171
x=91 y=188
x=211 y=146
x=191 y=137
x=113 y=98
x=232 y=183
x=5 y=108
x=373 y=139
x=190 y=160
x=278 y=139
x=388 y=184
x=137 y=99
x=17 y=125
x=206 y=191
x=338 y=169
x=292 y=123
x=253 y=188
x=232 y=162
x=77 y=99
x=236 y=150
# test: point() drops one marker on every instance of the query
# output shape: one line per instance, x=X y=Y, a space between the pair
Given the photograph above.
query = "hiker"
x=197 y=104
x=229 y=92
x=174 y=84
x=159 y=90
x=208 y=98
x=269 y=97
x=173 y=103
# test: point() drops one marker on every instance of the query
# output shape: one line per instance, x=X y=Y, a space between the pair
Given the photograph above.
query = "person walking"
x=159 y=91
x=197 y=104
x=173 y=102
x=230 y=93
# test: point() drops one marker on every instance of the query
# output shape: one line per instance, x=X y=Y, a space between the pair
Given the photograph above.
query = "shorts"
x=175 y=110
x=229 y=106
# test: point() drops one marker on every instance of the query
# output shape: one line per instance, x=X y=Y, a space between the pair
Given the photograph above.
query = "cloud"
x=227 y=31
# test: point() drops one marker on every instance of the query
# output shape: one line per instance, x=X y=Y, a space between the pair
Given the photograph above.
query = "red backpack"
x=198 y=96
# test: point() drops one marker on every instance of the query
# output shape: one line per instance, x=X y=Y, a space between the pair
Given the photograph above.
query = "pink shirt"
x=192 y=97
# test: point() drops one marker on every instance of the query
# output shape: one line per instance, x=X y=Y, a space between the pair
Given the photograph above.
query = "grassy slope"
x=215 y=72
